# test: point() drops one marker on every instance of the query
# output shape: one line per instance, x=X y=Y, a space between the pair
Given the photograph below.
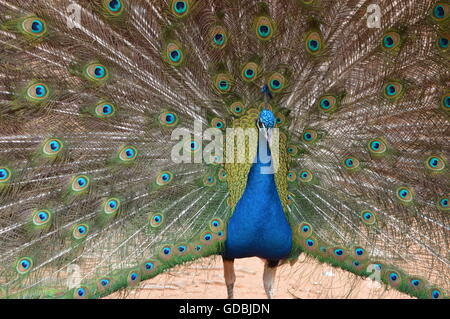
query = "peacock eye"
x=24 y=265
x=391 y=40
x=443 y=203
x=218 y=123
x=219 y=39
x=104 y=110
x=96 y=72
x=114 y=5
x=393 y=276
x=404 y=194
x=34 y=27
x=223 y=83
x=5 y=174
x=209 y=180
x=128 y=153
x=80 y=183
x=37 y=92
x=52 y=147
x=80 y=231
x=111 y=206
x=264 y=28
x=393 y=90
x=291 y=176
x=435 y=294
x=377 y=147
x=440 y=11
x=314 y=43
x=174 y=54
x=41 y=217
x=338 y=252
x=368 y=217
x=168 y=119
x=180 y=7
x=435 y=163
x=443 y=42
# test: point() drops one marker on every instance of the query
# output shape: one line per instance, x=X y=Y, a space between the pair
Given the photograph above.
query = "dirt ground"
x=306 y=279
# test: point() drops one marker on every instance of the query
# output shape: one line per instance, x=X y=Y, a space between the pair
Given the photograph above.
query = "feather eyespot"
x=393 y=278
x=52 y=147
x=42 y=217
x=156 y=219
x=80 y=231
x=113 y=7
x=219 y=36
x=368 y=217
x=237 y=108
x=173 y=54
x=328 y=103
x=222 y=174
x=351 y=162
x=435 y=293
x=150 y=266
x=443 y=203
x=133 y=278
x=216 y=224
x=206 y=237
x=209 y=180
x=34 y=27
x=445 y=102
x=127 y=154
x=377 y=146
x=164 y=178
x=306 y=176
x=81 y=293
x=391 y=40
x=405 y=194
x=104 y=284
x=435 y=163
x=218 y=123
x=305 y=230
x=250 y=71
x=111 y=206
x=264 y=28
x=314 y=43
x=338 y=253
x=415 y=282
x=166 y=252
x=96 y=72
x=309 y=136
x=291 y=176
x=442 y=42
x=392 y=90
x=37 y=92
x=223 y=83
x=276 y=82
x=180 y=8
x=104 y=110
x=5 y=174
x=80 y=183
x=440 y=11
x=24 y=265
x=168 y=119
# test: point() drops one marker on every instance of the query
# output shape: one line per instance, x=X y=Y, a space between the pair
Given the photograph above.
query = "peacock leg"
x=270 y=268
x=230 y=277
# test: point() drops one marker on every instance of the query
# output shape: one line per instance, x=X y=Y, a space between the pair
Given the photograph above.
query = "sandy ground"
x=306 y=279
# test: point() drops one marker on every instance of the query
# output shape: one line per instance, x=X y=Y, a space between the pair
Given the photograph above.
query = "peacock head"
x=266 y=119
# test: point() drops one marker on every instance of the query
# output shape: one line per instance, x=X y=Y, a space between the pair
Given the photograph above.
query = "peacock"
x=138 y=135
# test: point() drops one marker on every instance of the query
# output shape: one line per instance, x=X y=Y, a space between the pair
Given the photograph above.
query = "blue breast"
x=258 y=226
